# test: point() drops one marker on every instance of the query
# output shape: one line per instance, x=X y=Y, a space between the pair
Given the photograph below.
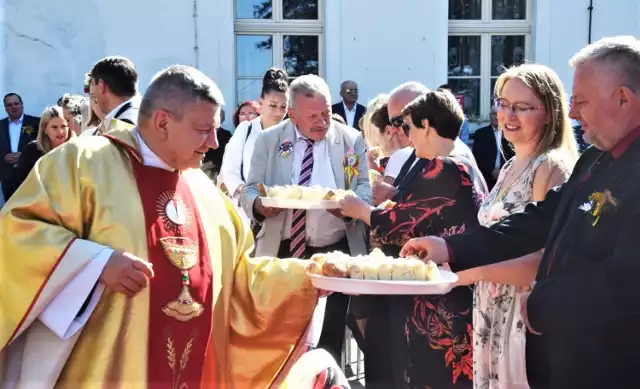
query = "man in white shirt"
x=309 y=149
x=349 y=108
x=113 y=86
x=16 y=130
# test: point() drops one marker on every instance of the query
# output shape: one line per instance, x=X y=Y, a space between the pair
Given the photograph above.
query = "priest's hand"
x=126 y=273
x=381 y=192
x=265 y=211
x=428 y=248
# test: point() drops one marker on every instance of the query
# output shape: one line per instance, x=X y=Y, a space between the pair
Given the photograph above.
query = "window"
x=281 y=33
x=485 y=37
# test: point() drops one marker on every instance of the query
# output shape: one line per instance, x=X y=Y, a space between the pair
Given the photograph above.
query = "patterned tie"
x=298 y=225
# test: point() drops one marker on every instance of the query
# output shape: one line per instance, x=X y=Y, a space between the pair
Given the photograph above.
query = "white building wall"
x=49 y=45
x=381 y=44
x=561 y=28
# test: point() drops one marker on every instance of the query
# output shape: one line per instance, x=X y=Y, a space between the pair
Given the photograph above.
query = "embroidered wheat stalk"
x=185 y=354
x=171 y=352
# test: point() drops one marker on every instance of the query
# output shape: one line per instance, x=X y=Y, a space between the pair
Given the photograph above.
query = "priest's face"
x=311 y=115
x=188 y=138
x=602 y=105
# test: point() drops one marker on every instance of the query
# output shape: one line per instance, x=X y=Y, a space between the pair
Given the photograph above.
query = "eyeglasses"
x=249 y=115
x=396 y=121
x=406 y=128
x=515 y=108
x=351 y=91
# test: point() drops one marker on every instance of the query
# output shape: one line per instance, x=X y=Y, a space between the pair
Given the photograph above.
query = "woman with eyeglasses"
x=246 y=111
x=274 y=101
x=533 y=116
x=52 y=132
x=424 y=341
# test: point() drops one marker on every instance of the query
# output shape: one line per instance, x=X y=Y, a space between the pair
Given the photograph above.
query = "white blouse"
x=238 y=153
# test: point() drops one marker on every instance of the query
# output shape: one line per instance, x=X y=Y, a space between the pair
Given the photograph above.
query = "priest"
x=584 y=311
x=123 y=266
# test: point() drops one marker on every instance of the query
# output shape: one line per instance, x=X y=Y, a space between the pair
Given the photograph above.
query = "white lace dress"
x=499 y=332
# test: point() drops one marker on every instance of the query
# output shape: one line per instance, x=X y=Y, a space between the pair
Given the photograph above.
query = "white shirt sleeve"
x=232 y=159
x=397 y=159
x=61 y=314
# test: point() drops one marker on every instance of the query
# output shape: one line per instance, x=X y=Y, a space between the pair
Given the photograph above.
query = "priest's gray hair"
x=174 y=87
x=620 y=54
x=309 y=85
x=411 y=87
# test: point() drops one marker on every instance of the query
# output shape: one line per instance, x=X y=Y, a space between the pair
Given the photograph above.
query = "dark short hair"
x=12 y=94
x=380 y=117
x=441 y=109
x=176 y=86
x=275 y=80
x=119 y=73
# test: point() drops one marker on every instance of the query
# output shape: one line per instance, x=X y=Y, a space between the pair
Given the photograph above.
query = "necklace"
x=504 y=189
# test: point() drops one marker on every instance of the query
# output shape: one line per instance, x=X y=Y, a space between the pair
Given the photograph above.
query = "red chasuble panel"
x=181 y=292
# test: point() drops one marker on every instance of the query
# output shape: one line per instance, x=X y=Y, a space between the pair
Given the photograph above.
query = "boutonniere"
x=285 y=148
x=28 y=130
x=351 y=166
x=598 y=204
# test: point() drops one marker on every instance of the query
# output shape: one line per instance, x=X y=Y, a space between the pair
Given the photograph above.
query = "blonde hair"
x=368 y=127
x=42 y=140
x=545 y=83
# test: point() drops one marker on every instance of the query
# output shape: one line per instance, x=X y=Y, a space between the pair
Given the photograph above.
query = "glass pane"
x=248 y=89
x=509 y=9
x=253 y=9
x=300 y=9
x=493 y=88
x=464 y=56
x=254 y=55
x=506 y=51
x=465 y=9
x=468 y=93
x=300 y=54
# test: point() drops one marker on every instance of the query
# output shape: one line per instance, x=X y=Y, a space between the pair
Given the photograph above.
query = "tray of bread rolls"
x=377 y=274
x=302 y=197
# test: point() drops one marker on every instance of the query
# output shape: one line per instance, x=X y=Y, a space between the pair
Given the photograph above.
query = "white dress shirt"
x=110 y=116
x=238 y=153
x=60 y=314
x=396 y=161
x=350 y=114
x=15 y=128
x=323 y=229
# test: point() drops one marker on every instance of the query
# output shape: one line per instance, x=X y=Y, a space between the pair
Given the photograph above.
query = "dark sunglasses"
x=396 y=121
x=351 y=91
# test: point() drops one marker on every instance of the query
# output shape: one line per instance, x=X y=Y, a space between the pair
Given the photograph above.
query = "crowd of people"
x=137 y=248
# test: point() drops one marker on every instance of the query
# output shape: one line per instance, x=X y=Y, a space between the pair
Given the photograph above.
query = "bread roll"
x=385 y=270
x=334 y=268
x=418 y=269
x=314 y=268
x=370 y=270
x=400 y=271
x=432 y=272
x=356 y=270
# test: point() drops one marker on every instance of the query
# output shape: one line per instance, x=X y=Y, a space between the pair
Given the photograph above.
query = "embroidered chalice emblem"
x=183 y=254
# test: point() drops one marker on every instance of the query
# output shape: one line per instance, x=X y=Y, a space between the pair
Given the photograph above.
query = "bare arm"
x=519 y=272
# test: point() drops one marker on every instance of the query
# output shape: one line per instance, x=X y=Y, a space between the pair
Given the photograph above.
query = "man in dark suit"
x=485 y=149
x=348 y=108
x=16 y=131
x=213 y=158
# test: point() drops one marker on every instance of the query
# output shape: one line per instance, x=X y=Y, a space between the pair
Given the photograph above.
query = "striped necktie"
x=299 y=225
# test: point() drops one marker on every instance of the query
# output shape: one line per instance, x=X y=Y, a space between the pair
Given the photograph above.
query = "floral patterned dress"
x=428 y=339
x=499 y=332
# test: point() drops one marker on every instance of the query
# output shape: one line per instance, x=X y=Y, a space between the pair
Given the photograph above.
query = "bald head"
x=349 y=91
x=175 y=87
x=403 y=95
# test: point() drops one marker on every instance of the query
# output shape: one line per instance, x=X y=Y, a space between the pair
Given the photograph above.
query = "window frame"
x=278 y=27
x=486 y=27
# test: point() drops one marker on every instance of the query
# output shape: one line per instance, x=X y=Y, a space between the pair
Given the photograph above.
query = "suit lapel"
x=288 y=133
x=336 y=146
